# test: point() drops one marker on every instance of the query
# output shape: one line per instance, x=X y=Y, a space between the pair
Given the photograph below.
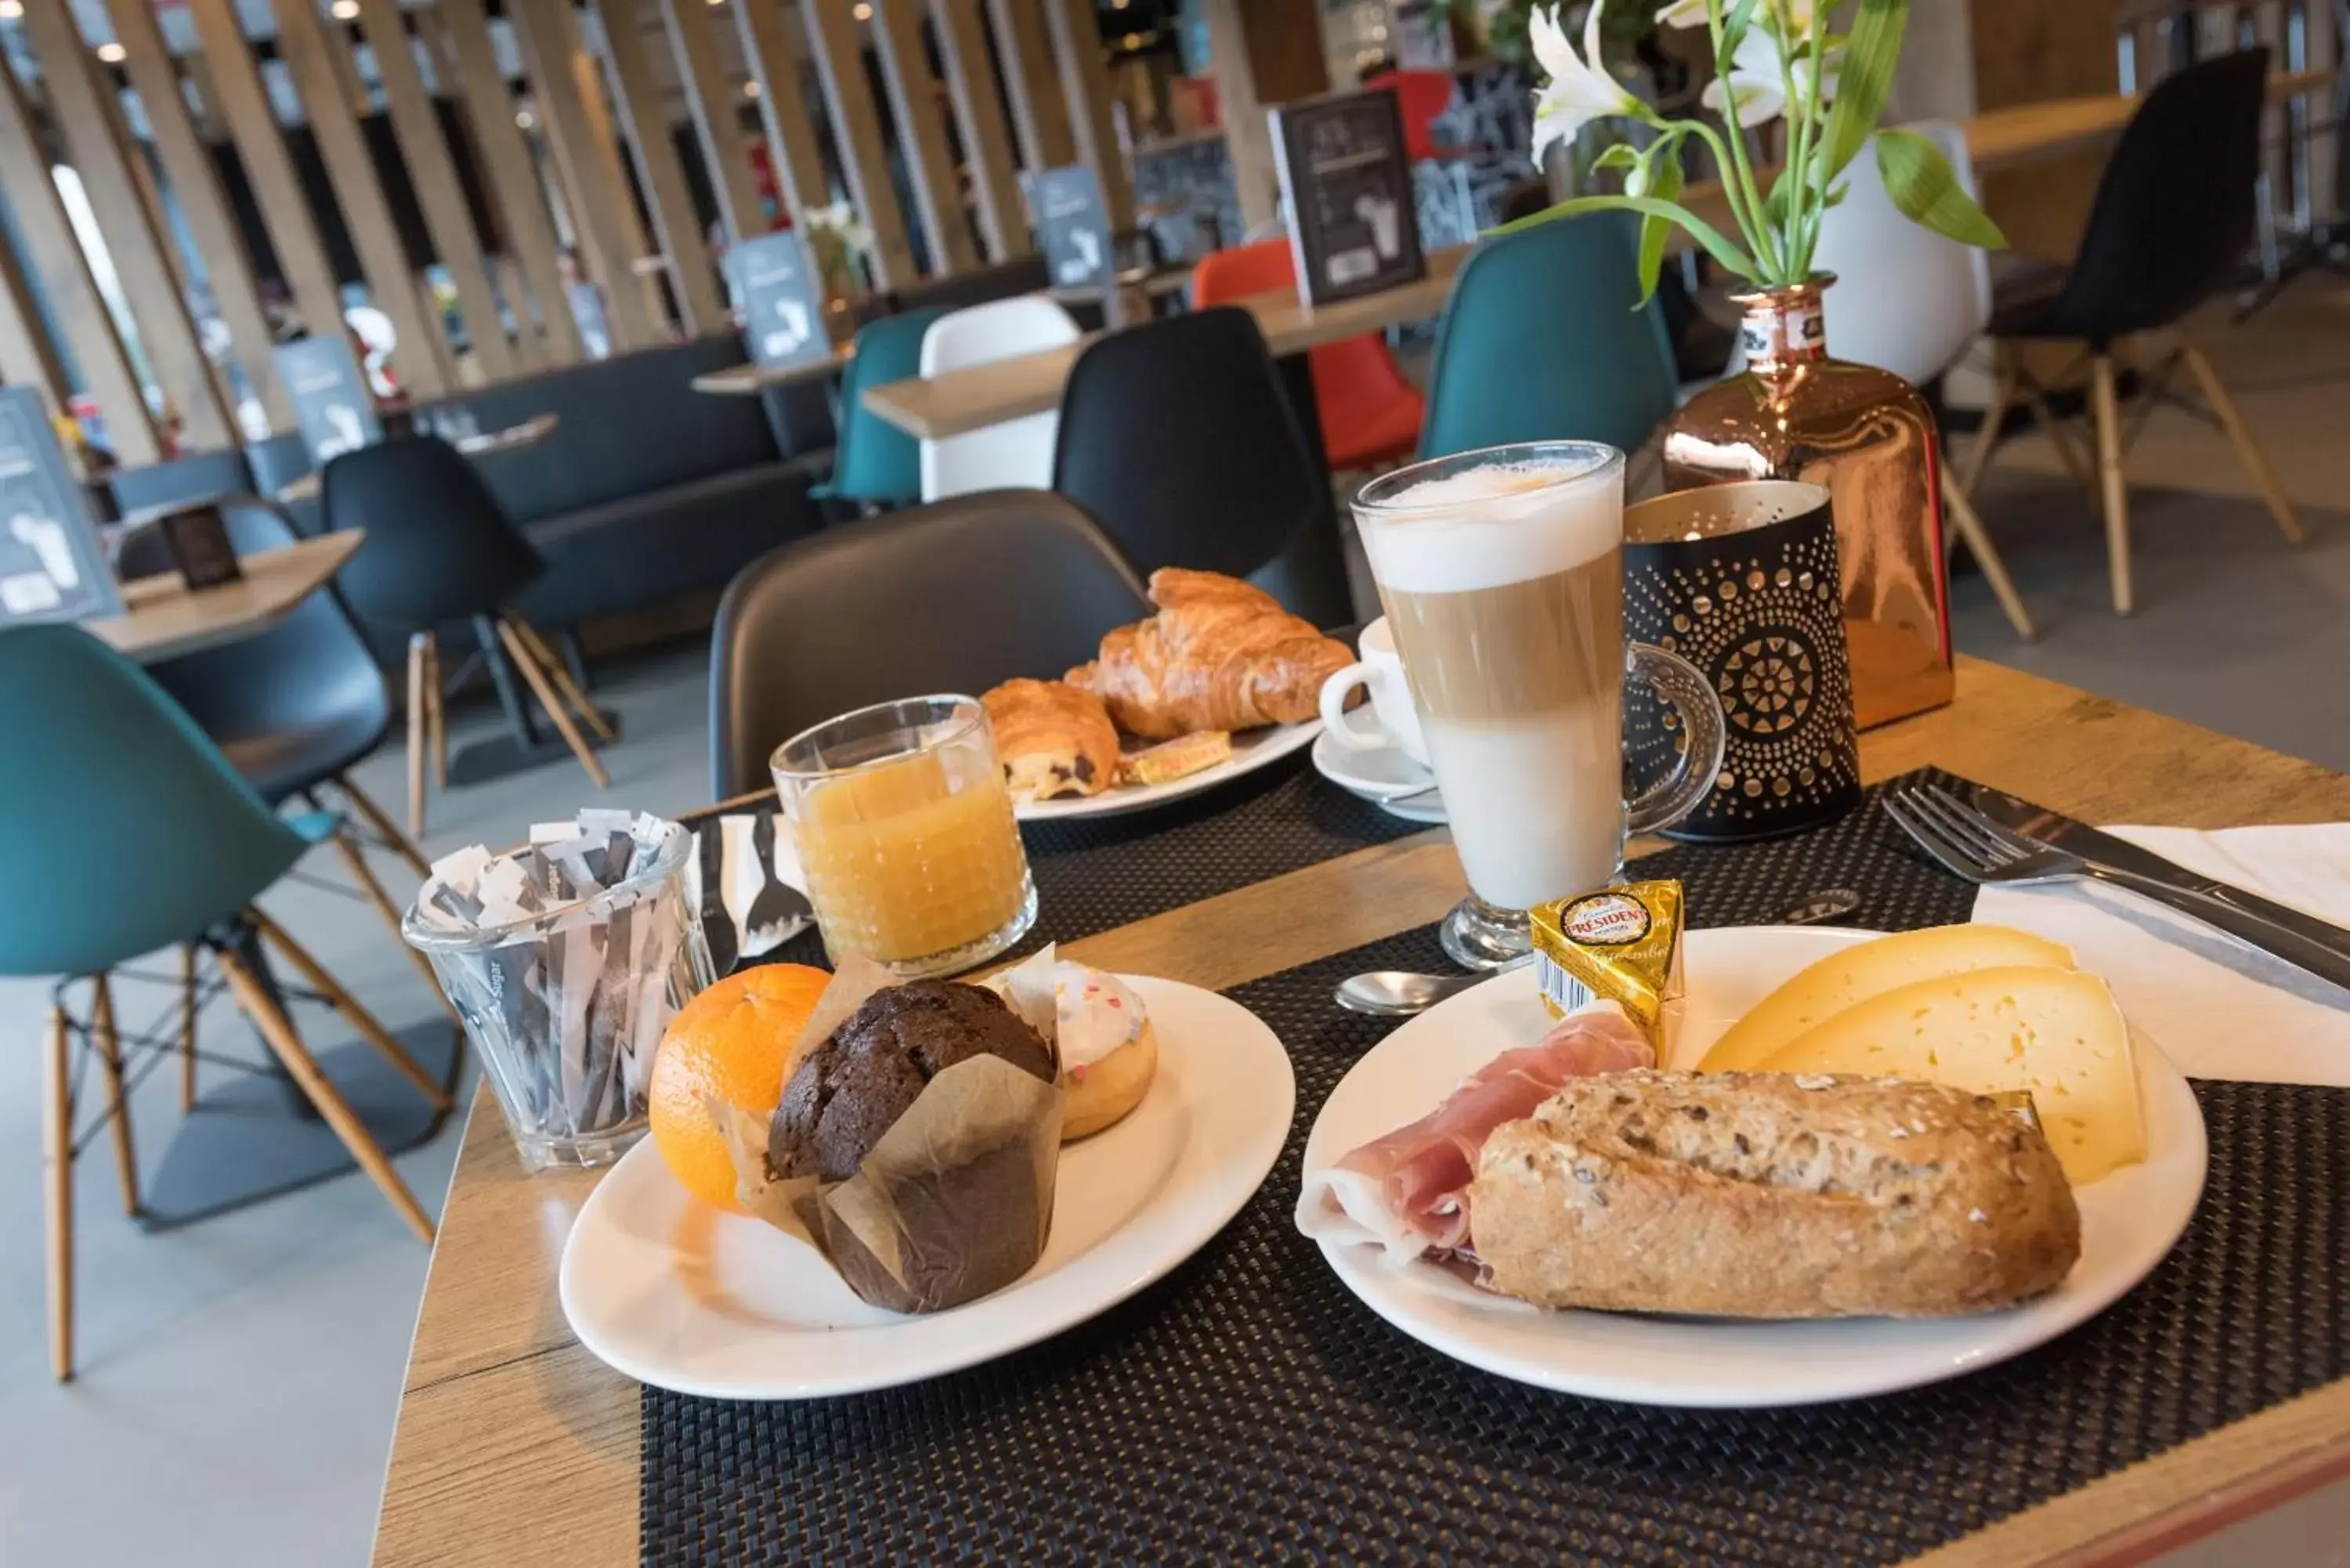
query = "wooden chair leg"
x=364 y=875
x=359 y=1017
x=57 y=1192
x=1986 y=554
x=2107 y=414
x=188 y=1026
x=304 y=1069
x=385 y=829
x=1986 y=440
x=559 y=672
x=436 y=717
x=2059 y=434
x=519 y=652
x=2248 y=450
x=109 y=1047
x=416 y=644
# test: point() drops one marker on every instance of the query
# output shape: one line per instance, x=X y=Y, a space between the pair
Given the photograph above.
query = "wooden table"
x=162 y=618
x=514 y=1447
x=750 y=381
x=971 y=399
x=482 y=443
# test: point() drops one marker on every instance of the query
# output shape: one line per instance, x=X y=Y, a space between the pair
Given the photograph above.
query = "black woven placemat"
x=1096 y=873
x=1249 y=1408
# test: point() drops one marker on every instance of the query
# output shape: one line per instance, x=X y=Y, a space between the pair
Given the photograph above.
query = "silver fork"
x=1971 y=845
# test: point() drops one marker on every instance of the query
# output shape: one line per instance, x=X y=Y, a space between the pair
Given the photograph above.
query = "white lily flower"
x=1755 y=73
x=1691 y=14
x=1579 y=90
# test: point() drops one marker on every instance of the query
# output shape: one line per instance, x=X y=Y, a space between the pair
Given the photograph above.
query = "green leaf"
x=1922 y=185
x=1864 y=82
x=1736 y=20
x=1665 y=180
x=1729 y=255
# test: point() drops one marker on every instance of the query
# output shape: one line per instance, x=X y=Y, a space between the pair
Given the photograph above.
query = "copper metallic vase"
x=1867 y=436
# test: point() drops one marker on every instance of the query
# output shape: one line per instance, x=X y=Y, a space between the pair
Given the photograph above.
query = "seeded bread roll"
x=1765 y=1195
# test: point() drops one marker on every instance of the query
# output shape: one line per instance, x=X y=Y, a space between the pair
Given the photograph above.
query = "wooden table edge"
x=332 y=550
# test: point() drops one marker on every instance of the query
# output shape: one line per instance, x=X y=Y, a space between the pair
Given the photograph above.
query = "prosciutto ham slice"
x=1407 y=1192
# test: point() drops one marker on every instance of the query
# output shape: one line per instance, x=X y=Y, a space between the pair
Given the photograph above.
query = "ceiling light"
x=862 y=12
x=750 y=90
x=1131 y=41
x=111 y=53
x=525 y=119
x=11 y=9
x=344 y=10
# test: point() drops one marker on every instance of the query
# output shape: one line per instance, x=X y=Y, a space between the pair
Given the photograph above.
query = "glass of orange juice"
x=906 y=835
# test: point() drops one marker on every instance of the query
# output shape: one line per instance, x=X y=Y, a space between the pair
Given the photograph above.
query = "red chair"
x=1369 y=411
x=1422 y=96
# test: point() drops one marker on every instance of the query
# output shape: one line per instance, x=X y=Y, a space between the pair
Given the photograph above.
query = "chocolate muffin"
x=852 y=1089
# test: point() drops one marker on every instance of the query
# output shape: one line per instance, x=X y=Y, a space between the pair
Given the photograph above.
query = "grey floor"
x=239 y=1377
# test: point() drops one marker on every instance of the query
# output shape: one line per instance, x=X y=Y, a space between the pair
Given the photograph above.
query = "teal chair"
x=874 y=463
x=1544 y=338
x=141 y=836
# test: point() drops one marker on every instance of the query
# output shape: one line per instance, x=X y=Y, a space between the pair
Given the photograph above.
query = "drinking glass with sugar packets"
x=566 y=958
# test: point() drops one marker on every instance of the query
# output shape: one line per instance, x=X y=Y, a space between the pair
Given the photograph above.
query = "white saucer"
x=2129 y=1220
x=1380 y=776
x=674 y=1293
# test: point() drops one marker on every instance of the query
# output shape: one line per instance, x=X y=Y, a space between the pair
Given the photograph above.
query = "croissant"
x=1219 y=655
x=1054 y=740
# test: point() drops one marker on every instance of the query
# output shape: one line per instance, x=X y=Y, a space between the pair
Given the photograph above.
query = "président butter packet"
x=1620 y=944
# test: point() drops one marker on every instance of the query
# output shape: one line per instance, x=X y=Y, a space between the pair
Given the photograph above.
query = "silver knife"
x=2272 y=926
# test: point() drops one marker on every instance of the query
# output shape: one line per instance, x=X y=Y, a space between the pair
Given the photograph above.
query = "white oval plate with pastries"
x=2129 y=1221
x=1252 y=749
x=676 y=1293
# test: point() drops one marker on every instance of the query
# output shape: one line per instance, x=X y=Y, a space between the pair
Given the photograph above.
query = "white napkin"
x=2218 y=1008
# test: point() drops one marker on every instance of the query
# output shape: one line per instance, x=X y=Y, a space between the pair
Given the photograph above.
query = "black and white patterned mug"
x=1740 y=579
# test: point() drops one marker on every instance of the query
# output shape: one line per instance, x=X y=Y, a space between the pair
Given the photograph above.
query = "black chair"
x=440 y=549
x=2172 y=220
x=953 y=597
x=295 y=708
x=1178 y=435
x=278 y=462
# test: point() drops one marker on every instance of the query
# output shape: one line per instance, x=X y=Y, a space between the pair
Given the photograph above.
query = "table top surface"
x=481 y=443
x=161 y=618
x=748 y=380
x=516 y=1447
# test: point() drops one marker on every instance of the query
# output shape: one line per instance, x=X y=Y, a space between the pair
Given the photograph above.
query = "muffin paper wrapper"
x=956 y=1199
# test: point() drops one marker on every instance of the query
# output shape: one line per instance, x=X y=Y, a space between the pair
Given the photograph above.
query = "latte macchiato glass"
x=1502 y=573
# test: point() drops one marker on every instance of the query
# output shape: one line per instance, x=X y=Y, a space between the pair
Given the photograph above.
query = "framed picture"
x=52 y=566
x=333 y=408
x=1346 y=189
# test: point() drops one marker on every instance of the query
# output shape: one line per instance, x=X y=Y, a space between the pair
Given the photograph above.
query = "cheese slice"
x=1854 y=974
x=2054 y=1032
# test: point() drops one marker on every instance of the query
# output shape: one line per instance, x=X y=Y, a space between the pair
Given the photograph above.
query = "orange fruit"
x=729 y=1043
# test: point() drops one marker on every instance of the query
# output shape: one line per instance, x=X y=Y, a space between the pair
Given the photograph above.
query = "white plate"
x=1252 y=749
x=2129 y=1220
x=1380 y=776
x=674 y=1293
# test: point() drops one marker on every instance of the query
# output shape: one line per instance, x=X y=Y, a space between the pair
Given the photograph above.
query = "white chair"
x=1016 y=453
x=1910 y=301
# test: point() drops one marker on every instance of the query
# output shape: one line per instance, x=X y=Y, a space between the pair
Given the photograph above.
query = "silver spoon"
x=1399 y=993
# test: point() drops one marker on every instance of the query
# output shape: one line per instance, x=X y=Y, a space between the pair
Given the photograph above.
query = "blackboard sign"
x=1072 y=226
x=783 y=304
x=51 y=566
x=332 y=405
x=1346 y=189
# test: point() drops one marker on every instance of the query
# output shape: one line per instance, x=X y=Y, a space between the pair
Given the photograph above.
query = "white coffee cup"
x=1380 y=674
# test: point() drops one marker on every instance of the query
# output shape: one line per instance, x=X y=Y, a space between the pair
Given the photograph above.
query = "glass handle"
x=1678 y=681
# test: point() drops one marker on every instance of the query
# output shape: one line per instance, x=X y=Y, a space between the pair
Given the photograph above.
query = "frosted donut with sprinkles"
x=1109 y=1052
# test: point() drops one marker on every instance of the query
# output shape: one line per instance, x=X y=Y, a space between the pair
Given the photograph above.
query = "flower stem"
x=1798 y=117
x=1756 y=221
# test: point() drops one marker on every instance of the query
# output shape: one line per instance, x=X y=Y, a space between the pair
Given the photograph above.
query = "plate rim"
x=1273 y=742
x=2157 y=1075
x=1215 y=1211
